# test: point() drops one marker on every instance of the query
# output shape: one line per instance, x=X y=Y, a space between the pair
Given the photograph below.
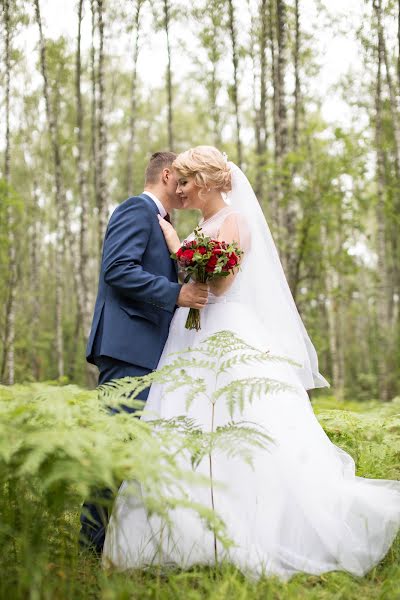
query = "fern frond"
x=186 y=363
x=240 y=391
x=219 y=344
x=234 y=440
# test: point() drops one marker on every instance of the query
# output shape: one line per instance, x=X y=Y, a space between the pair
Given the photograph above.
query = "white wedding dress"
x=298 y=508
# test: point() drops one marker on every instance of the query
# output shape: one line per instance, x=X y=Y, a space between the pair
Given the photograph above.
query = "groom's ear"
x=166 y=174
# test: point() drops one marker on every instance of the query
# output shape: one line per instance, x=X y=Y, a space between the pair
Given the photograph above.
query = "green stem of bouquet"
x=193 y=318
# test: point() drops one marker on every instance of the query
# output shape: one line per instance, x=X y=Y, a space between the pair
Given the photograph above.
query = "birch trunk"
x=35 y=285
x=392 y=93
x=333 y=285
x=83 y=252
x=8 y=363
x=132 y=117
x=255 y=104
x=169 y=78
x=59 y=199
x=288 y=222
x=280 y=79
x=93 y=105
x=235 y=87
x=214 y=88
x=382 y=267
x=296 y=61
x=392 y=228
x=101 y=154
x=276 y=211
x=398 y=45
x=261 y=112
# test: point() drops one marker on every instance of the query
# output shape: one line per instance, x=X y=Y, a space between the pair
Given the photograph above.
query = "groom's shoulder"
x=133 y=204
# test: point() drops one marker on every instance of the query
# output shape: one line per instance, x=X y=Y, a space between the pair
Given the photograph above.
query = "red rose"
x=179 y=253
x=212 y=261
x=232 y=261
x=187 y=255
x=202 y=249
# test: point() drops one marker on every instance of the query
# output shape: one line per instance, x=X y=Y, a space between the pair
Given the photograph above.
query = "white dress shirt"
x=157 y=202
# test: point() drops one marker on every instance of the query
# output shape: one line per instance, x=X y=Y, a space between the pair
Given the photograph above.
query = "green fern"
x=242 y=391
x=58 y=443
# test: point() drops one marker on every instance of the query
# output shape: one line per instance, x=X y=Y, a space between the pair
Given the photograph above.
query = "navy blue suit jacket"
x=138 y=287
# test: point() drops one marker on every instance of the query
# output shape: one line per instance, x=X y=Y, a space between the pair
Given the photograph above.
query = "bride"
x=299 y=507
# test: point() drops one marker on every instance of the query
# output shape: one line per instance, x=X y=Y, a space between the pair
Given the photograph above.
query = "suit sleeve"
x=125 y=242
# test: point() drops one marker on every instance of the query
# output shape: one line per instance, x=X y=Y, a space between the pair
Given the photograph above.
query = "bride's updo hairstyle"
x=208 y=167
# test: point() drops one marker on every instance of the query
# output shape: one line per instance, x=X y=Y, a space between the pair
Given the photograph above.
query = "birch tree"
x=235 y=86
x=35 y=279
x=261 y=133
x=101 y=150
x=296 y=62
x=166 y=9
x=83 y=253
x=211 y=23
x=93 y=104
x=59 y=196
x=132 y=115
x=288 y=212
x=8 y=363
x=276 y=209
x=383 y=279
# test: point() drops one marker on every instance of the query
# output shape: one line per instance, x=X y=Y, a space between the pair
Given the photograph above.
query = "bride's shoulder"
x=236 y=227
x=234 y=215
x=234 y=219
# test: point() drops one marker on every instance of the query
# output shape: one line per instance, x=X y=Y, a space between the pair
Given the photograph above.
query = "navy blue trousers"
x=95 y=512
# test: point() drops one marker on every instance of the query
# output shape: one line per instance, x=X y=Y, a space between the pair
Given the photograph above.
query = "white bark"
x=8 y=367
x=59 y=199
x=235 y=87
x=101 y=155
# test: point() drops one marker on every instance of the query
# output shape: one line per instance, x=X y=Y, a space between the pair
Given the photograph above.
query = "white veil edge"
x=264 y=289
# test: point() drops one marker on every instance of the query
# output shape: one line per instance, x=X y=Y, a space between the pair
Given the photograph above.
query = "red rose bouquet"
x=204 y=259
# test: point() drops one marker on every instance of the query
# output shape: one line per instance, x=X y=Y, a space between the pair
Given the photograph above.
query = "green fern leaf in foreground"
x=59 y=443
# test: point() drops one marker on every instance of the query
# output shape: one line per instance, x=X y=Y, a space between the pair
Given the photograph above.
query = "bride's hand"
x=171 y=237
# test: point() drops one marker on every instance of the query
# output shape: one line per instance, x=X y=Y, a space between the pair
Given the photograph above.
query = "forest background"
x=84 y=106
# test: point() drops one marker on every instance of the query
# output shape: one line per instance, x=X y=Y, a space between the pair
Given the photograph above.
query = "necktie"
x=168 y=218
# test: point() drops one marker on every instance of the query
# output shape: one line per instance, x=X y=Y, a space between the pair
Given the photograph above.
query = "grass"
x=38 y=537
x=85 y=580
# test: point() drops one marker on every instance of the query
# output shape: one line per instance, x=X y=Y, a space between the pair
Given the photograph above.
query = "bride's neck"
x=212 y=206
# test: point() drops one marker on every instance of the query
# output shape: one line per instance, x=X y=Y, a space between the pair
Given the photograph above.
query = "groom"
x=137 y=295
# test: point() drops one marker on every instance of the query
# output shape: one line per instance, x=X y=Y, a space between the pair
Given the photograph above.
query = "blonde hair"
x=208 y=167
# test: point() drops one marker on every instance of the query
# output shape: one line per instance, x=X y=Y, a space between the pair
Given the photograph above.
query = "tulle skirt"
x=299 y=506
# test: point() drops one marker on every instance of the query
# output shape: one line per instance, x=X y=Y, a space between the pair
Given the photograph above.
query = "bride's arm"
x=229 y=232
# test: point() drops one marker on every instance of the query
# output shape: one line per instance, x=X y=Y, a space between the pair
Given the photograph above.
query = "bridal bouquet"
x=204 y=259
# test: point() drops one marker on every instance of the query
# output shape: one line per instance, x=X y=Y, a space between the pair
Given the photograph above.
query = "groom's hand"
x=193 y=295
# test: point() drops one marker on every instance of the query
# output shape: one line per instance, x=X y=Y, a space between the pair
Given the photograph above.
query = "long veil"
x=263 y=288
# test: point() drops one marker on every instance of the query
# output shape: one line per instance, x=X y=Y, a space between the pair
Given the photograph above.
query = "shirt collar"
x=157 y=202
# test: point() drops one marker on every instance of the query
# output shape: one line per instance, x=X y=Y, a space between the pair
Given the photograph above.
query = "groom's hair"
x=158 y=161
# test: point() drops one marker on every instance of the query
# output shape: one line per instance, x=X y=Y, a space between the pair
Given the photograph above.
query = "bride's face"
x=188 y=192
